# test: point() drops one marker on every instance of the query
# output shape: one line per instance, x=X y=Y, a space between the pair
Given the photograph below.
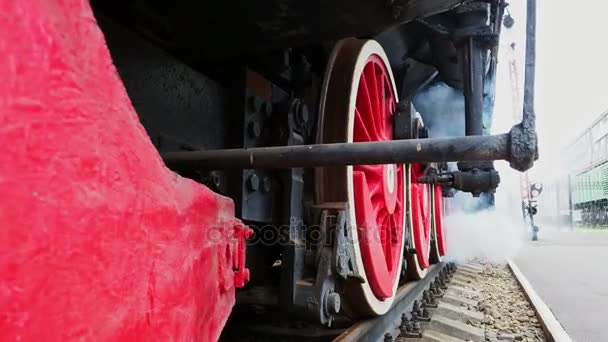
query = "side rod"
x=492 y=147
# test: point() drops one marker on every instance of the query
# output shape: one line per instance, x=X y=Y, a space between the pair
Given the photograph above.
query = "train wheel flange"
x=438 y=236
x=420 y=212
x=357 y=104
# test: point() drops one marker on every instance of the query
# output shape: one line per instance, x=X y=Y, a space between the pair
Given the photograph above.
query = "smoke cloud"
x=494 y=233
x=488 y=234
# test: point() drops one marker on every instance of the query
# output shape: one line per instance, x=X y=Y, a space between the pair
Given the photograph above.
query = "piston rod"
x=492 y=147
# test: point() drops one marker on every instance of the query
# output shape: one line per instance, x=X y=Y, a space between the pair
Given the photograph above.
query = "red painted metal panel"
x=98 y=240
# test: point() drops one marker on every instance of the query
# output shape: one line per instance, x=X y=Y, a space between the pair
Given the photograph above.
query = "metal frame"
x=519 y=147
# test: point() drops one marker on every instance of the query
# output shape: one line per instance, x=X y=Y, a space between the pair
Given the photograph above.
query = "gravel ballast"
x=508 y=316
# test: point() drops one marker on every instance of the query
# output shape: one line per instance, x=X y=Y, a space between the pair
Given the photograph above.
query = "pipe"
x=530 y=69
x=473 y=72
x=524 y=140
x=519 y=146
x=362 y=153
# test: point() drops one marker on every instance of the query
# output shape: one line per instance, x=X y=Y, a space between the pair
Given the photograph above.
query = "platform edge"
x=552 y=328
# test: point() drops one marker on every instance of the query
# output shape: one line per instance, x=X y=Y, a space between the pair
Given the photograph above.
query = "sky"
x=571 y=72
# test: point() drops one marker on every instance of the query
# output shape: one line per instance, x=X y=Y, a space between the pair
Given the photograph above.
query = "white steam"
x=487 y=234
x=495 y=234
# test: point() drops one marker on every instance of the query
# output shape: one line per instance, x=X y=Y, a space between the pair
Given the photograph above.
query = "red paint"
x=421 y=216
x=439 y=228
x=379 y=203
x=99 y=240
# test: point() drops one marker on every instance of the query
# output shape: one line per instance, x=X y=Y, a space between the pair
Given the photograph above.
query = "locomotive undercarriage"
x=201 y=83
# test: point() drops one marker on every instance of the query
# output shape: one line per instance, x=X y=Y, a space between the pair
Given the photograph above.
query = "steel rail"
x=375 y=328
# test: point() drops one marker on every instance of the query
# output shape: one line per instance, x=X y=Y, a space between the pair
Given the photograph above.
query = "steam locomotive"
x=331 y=135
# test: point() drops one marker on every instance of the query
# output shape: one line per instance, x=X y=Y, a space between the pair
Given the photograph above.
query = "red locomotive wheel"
x=420 y=201
x=378 y=189
x=438 y=239
x=357 y=105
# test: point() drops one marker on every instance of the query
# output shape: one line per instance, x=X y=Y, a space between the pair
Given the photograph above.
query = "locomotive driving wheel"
x=357 y=104
x=420 y=207
x=438 y=239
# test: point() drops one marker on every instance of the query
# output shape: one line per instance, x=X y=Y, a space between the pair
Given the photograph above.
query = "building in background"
x=578 y=192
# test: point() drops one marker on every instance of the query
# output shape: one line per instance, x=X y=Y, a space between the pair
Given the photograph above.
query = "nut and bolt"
x=442 y=284
x=416 y=329
x=414 y=316
x=406 y=328
x=332 y=302
x=429 y=300
x=416 y=308
x=403 y=329
x=426 y=313
x=214 y=178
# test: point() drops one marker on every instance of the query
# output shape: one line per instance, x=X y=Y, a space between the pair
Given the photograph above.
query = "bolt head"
x=254 y=129
x=333 y=303
x=508 y=21
x=253 y=182
x=215 y=178
x=303 y=113
x=267 y=184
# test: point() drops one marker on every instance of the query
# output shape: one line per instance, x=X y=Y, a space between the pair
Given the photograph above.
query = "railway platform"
x=567 y=269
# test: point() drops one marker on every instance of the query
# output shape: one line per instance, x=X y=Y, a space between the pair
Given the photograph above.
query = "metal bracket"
x=344 y=251
x=406 y=125
x=473 y=178
x=333 y=257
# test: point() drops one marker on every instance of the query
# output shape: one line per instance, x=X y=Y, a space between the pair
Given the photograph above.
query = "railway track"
x=409 y=297
x=468 y=302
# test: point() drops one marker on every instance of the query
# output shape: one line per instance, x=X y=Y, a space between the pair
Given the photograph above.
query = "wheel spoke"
x=378 y=222
x=375 y=188
x=376 y=170
x=382 y=104
x=388 y=244
x=365 y=107
x=361 y=133
x=370 y=74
